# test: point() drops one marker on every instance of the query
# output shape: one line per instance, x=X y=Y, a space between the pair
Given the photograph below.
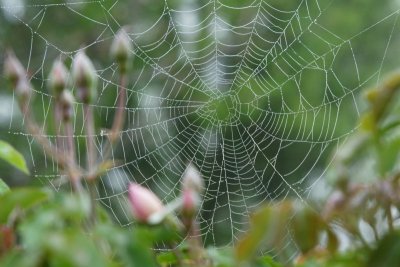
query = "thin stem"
x=194 y=239
x=119 y=117
x=74 y=177
x=375 y=231
x=89 y=122
x=88 y=113
x=47 y=145
x=93 y=196
x=57 y=125
x=389 y=218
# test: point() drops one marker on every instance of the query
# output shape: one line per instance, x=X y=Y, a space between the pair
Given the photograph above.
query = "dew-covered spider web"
x=256 y=94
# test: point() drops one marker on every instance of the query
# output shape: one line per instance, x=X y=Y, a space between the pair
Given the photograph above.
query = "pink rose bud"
x=121 y=47
x=192 y=180
x=192 y=187
x=190 y=202
x=84 y=77
x=13 y=69
x=144 y=202
x=57 y=78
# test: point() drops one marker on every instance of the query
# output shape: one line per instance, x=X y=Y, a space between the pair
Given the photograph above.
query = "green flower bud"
x=67 y=105
x=121 y=48
x=58 y=78
x=84 y=77
x=13 y=69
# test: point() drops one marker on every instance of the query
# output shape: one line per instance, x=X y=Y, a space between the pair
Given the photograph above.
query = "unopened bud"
x=190 y=203
x=192 y=180
x=13 y=69
x=144 y=203
x=67 y=105
x=192 y=187
x=85 y=78
x=23 y=89
x=121 y=48
x=57 y=78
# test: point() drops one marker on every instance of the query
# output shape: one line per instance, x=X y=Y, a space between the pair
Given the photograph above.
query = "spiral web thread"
x=224 y=85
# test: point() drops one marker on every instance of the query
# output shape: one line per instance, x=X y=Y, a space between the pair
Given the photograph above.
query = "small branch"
x=57 y=125
x=74 y=177
x=389 y=218
x=89 y=123
x=119 y=117
x=48 y=147
x=91 y=154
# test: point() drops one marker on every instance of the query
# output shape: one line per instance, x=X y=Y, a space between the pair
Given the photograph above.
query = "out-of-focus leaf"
x=166 y=259
x=387 y=154
x=268 y=226
x=267 y=261
x=72 y=248
x=13 y=157
x=307 y=226
x=387 y=252
x=23 y=198
x=221 y=257
x=333 y=242
x=3 y=187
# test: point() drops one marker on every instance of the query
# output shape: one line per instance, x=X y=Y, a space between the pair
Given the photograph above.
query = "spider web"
x=256 y=94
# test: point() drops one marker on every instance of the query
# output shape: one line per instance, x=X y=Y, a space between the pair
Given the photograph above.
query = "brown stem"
x=89 y=123
x=74 y=177
x=119 y=117
x=88 y=114
x=194 y=240
x=389 y=218
x=47 y=145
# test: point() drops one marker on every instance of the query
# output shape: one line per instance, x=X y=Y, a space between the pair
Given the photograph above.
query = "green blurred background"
x=257 y=94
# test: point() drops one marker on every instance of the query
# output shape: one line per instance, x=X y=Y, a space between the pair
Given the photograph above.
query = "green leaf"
x=167 y=259
x=387 y=252
x=3 y=187
x=221 y=257
x=267 y=261
x=23 y=198
x=306 y=227
x=13 y=157
x=268 y=226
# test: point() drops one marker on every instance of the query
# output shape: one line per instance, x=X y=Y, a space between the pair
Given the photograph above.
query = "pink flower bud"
x=192 y=187
x=85 y=78
x=57 y=78
x=192 y=180
x=190 y=202
x=144 y=202
x=13 y=69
